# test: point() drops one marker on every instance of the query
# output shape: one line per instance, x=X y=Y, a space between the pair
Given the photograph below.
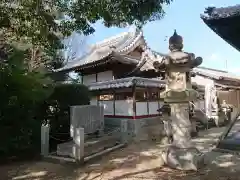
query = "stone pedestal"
x=182 y=154
x=181 y=125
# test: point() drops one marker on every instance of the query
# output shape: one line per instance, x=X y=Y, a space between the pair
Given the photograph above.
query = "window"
x=123 y=95
x=141 y=96
x=106 y=97
x=154 y=95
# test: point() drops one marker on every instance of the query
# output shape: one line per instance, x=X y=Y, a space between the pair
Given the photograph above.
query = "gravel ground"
x=137 y=161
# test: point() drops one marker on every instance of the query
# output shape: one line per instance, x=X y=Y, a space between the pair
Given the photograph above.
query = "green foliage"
x=20 y=94
x=39 y=25
x=56 y=108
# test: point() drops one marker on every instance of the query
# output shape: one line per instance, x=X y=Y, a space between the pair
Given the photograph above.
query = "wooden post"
x=134 y=101
x=96 y=77
x=136 y=122
x=114 y=102
x=98 y=98
x=45 y=129
x=82 y=79
x=148 y=101
x=158 y=99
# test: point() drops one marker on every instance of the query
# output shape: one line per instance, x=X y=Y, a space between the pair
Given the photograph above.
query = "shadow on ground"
x=137 y=161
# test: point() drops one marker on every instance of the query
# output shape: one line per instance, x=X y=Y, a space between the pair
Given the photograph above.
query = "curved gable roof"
x=225 y=23
x=121 y=44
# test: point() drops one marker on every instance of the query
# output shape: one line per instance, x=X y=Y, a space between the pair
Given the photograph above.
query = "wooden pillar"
x=114 y=102
x=148 y=100
x=81 y=79
x=238 y=98
x=98 y=97
x=96 y=77
x=158 y=96
x=134 y=101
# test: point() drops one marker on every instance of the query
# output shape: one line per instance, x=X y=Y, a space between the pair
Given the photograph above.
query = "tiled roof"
x=127 y=82
x=145 y=63
x=223 y=12
x=216 y=74
x=152 y=56
x=121 y=44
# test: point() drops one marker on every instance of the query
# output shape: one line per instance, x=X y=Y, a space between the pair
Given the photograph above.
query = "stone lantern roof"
x=175 y=42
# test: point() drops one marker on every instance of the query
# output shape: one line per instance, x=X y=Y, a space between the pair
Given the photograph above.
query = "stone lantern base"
x=190 y=159
x=182 y=154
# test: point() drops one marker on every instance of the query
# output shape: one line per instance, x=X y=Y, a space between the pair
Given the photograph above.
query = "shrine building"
x=120 y=74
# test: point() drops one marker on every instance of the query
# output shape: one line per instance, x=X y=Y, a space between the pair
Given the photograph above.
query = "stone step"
x=55 y=158
x=91 y=146
x=96 y=145
x=65 y=149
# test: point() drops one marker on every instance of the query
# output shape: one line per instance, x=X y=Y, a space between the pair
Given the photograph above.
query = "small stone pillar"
x=124 y=131
x=45 y=130
x=165 y=111
x=227 y=110
x=194 y=131
x=78 y=148
x=177 y=66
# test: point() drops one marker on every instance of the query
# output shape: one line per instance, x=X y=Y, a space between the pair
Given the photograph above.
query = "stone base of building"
x=140 y=128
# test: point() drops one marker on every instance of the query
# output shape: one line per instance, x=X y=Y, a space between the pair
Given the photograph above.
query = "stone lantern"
x=227 y=110
x=179 y=92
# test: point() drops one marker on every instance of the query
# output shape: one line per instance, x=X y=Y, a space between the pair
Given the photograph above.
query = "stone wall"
x=140 y=129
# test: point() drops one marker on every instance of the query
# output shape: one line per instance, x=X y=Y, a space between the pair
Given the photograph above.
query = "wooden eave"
x=218 y=78
x=112 y=58
x=224 y=22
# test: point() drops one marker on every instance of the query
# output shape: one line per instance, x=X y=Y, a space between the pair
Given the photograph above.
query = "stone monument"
x=227 y=109
x=177 y=65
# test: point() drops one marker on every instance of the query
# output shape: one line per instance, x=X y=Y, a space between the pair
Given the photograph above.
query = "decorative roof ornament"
x=175 y=42
x=209 y=10
x=213 y=13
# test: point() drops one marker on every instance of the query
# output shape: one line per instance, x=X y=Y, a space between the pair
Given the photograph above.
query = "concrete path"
x=137 y=161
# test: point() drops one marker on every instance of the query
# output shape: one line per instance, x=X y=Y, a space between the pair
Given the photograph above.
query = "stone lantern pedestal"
x=181 y=154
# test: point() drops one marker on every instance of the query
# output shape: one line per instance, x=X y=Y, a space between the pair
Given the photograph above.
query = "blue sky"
x=184 y=15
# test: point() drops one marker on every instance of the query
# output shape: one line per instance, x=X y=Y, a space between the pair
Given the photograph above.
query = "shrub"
x=63 y=97
x=21 y=92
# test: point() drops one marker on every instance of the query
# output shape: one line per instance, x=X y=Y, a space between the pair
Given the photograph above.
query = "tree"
x=39 y=25
x=21 y=92
x=75 y=46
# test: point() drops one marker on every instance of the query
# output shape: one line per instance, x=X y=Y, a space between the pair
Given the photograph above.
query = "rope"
x=60 y=139
x=115 y=130
x=109 y=133
x=62 y=133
